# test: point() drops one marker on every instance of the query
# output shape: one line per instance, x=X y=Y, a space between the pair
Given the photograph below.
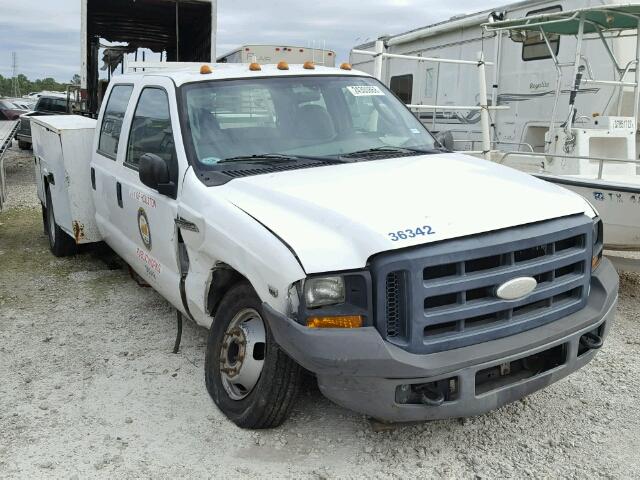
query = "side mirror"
x=154 y=173
x=445 y=139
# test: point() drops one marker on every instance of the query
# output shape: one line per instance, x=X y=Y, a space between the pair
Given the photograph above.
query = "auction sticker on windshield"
x=365 y=91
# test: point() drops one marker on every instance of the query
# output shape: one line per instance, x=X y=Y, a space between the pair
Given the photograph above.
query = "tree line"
x=27 y=86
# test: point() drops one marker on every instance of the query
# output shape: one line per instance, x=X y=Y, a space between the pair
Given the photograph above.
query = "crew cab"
x=307 y=219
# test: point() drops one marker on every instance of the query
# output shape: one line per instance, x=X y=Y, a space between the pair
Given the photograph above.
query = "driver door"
x=147 y=218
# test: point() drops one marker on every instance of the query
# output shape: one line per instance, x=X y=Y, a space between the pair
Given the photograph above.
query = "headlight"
x=597 y=232
x=598 y=243
x=323 y=291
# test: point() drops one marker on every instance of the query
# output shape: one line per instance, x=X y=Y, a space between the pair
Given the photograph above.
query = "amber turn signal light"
x=283 y=66
x=595 y=262
x=204 y=69
x=345 y=321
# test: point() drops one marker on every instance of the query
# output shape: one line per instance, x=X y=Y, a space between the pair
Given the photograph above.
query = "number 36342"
x=411 y=233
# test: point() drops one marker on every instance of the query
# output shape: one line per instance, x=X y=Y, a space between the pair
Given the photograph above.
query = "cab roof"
x=182 y=73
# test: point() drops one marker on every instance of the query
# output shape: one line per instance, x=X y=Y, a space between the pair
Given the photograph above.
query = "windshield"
x=313 y=116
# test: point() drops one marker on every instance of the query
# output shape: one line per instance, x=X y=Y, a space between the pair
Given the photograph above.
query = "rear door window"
x=112 y=120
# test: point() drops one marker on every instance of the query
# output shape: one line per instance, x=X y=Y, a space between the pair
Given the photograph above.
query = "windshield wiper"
x=262 y=157
x=381 y=151
x=255 y=158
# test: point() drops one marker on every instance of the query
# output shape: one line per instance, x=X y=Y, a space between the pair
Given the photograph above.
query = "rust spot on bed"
x=78 y=230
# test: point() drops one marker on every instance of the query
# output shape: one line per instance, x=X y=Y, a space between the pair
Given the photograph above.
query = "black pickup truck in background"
x=47 y=105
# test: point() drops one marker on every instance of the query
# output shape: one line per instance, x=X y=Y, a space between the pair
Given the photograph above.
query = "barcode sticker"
x=365 y=91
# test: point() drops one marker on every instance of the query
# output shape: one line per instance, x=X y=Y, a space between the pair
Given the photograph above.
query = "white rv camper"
x=264 y=54
x=541 y=85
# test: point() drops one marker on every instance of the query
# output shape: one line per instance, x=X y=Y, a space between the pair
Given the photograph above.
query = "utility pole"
x=15 y=88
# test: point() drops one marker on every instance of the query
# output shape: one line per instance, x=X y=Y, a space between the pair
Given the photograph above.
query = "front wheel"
x=248 y=376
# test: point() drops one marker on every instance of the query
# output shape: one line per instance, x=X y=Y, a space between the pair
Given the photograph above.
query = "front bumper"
x=360 y=371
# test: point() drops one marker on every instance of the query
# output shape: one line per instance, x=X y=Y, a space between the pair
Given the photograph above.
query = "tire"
x=45 y=227
x=60 y=244
x=23 y=145
x=268 y=402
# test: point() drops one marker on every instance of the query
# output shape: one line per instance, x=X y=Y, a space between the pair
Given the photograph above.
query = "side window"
x=44 y=105
x=151 y=128
x=534 y=47
x=402 y=86
x=112 y=120
x=58 y=105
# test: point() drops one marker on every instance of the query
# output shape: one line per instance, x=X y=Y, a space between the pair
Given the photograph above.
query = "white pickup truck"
x=308 y=219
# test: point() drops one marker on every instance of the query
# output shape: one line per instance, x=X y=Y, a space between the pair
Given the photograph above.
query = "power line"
x=15 y=84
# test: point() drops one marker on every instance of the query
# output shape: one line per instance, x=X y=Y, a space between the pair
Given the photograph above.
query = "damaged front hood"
x=334 y=218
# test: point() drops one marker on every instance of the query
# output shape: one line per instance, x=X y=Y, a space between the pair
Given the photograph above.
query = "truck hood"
x=336 y=217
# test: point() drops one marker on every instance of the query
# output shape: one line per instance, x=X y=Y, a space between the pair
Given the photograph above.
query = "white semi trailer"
x=275 y=53
x=177 y=30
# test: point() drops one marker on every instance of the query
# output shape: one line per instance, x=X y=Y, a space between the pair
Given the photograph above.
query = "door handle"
x=93 y=178
x=119 y=193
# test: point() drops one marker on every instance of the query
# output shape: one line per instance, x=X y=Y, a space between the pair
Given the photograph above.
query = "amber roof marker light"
x=283 y=65
x=205 y=69
x=255 y=67
x=345 y=66
x=309 y=65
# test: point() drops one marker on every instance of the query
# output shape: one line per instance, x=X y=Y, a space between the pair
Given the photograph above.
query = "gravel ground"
x=89 y=388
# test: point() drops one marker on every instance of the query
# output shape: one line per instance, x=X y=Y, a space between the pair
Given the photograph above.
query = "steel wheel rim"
x=242 y=353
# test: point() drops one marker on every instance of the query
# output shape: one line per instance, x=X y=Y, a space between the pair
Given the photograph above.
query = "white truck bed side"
x=63 y=144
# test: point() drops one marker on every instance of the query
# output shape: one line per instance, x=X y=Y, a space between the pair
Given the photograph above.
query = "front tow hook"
x=432 y=398
x=591 y=341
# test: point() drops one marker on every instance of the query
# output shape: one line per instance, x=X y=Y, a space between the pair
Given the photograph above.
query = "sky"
x=45 y=34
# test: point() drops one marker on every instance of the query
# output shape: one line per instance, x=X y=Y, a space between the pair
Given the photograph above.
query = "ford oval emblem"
x=517 y=288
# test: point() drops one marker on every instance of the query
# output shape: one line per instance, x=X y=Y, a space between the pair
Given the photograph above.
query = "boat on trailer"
x=579 y=131
x=595 y=156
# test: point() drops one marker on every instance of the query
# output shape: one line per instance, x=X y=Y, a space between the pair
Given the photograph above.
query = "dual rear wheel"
x=60 y=243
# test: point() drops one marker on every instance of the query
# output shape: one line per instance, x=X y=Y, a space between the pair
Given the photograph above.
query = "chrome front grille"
x=442 y=296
